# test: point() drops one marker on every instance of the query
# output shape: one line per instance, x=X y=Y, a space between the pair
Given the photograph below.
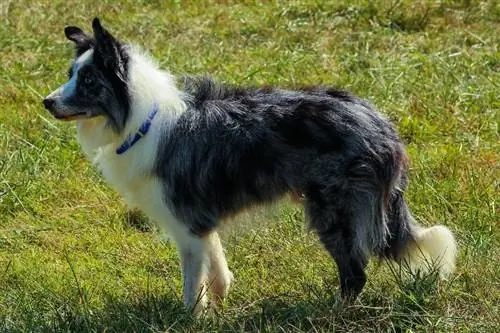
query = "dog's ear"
x=108 y=50
x=82 y=41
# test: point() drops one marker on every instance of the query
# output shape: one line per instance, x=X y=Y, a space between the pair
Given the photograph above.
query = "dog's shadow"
x=410 y=307
x=147 y=313
x=165 y=313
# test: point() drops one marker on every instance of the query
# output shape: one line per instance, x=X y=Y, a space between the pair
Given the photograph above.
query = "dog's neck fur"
x=147 y=84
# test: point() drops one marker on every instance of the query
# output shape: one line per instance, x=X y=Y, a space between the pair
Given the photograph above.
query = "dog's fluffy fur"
x=214 y=150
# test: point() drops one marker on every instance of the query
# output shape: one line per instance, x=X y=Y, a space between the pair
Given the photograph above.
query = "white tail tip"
x=433 y=247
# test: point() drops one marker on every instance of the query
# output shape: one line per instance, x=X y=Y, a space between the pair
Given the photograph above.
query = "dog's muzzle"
x=49 y=104
x=54 y=107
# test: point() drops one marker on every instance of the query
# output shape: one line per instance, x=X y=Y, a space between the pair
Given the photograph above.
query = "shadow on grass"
x=139 y=314
x=410 y=308
x=325 y=316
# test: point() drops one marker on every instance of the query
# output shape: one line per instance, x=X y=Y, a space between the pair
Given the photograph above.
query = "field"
x=74 y=259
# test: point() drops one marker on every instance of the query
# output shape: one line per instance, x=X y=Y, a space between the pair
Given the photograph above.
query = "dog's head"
x=97 y=84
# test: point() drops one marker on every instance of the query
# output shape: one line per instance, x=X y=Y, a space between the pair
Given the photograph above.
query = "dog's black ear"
x=108 y=50
x=82 y=41
x=76 y=35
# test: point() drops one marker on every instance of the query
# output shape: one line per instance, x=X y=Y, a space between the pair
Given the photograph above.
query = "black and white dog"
x=190 y=156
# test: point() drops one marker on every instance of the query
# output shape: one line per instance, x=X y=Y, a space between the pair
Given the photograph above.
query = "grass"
x=73 y=259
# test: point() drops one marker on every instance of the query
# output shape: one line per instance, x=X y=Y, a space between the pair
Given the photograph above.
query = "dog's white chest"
x=135 y=183
x=121 y=172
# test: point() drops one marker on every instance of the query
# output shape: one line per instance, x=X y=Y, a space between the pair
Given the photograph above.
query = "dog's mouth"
x=69 y=117
x=62 y=113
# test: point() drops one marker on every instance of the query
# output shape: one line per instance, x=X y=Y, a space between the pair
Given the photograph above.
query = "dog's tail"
x=416 y=247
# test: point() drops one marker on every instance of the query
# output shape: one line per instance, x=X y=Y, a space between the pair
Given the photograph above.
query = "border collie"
x=190 y=152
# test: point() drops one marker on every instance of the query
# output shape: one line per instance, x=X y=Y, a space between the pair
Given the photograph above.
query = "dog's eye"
x=88 y=80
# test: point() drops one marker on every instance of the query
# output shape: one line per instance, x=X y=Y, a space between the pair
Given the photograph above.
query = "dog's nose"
x=48 y=103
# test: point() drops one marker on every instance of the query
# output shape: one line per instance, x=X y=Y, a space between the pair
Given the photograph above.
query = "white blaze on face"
x=69 y=88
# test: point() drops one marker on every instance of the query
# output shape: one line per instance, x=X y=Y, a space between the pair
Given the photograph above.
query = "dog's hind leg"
x=219 y=276
x=350 y=262
x=334 y=223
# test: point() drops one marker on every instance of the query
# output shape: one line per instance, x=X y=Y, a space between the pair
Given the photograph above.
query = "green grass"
x=73 y=259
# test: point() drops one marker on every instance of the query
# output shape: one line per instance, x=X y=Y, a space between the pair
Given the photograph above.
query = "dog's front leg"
x=193 y=263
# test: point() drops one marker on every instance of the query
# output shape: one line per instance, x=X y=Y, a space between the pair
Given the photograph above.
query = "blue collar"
x=132 y=140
